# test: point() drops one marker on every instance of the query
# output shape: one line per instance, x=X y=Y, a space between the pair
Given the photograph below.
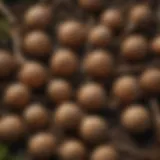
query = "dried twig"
x=14 y=31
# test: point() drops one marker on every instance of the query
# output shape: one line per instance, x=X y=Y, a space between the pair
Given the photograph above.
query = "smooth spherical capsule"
x=68 y=115
x=98 y=63
x=91 y=96
x=134 y=47
x=7 y=63
x=126 y=89
x=42 y=145
x=100 y=36
x=140 y=14
x=150 y=80
x=59 y=90
x=38 y=16
x=112 y=18
x=17 y=95
x=136 y=119
x=64 y=62
x=155 y=45
x=71 y=33
x=36 y=116
x=104 y=152
x=11 y=128
x=37 y=44
x=33 y=74
x=91 y=5
x=93 y=129
x=72 y=150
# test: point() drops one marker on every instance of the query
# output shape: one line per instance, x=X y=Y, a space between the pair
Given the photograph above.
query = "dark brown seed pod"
x=37 y=44
x=71 y=33
x=91 y=5
x=68 y=116
x=59 y=91
x=126 y=89
x=93 y=129
x=98 y=63
x=42 y=145
x=112 y=18
x=72 y=150
x=150 y=80
x=7 y=63
x=36 y=116
x=91 y=96
x=64 y=62
x=17 y=95
x=38 y=16
x=104 y=152
x=136 y=119
x=33 y=74
x=11 y=128
x=134 y=47
x=100 y=36
x=155 y=45
x=140 y=14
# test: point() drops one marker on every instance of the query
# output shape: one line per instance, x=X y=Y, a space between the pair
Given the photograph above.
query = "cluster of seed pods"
x=82 y=75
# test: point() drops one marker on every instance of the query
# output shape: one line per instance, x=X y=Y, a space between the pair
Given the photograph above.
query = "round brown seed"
x=155 y=45
x=136 y=118
x=91 y=96
x=71 y=33
x=36 y=116
x=68 y=116
x=33 y=74
x=104 y=152
x=59 y=91
x=72 y=149
x=93 y=129
x=38 y=16
x=11 y=128
x=98 y=63
x=64 y=62
x=42 y=145
x=126 y=88
x=100 y=36
x=17 y=95
x=37 y=43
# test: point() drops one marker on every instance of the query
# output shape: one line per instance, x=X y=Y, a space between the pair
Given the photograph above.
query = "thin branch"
x=14 y=31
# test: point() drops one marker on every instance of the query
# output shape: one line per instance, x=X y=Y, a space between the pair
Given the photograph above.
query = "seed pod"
x=136 y=119
x=37 y=44
x=11 y=128
x=93 y=129
x=42 y=145
x=17 y=95
x=72 y=150
x=134 y=47
x=155 y=45
x=112 y=18
x=126 y=89
x=100 y=36
x=7 y=63
x=68 y=116
x=91 y=5
x=59 y=91
x=140 y=14
x=36 y=116
x=33 y=74
x=91 y=96
x=38 y=16
x=98 y=64
x=104 y=152
x=150 y=80
x=64 y=62
x=71 y=33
